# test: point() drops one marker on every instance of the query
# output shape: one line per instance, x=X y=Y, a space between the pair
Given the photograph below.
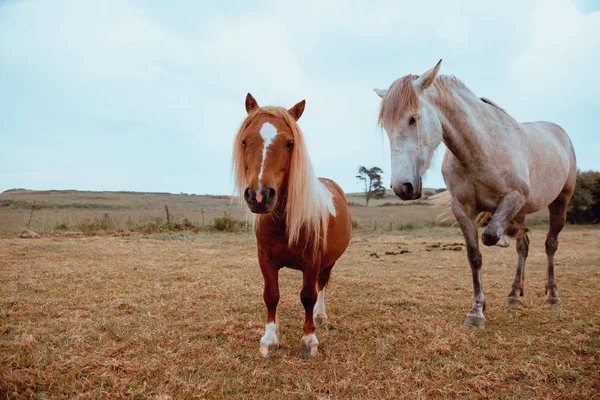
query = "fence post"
x=168 y=216
x=31 y=214
x=202 y=211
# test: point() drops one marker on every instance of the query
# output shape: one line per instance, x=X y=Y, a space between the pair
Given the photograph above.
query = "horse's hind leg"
x=514 y=297
x=320 y=316
x=558 y=215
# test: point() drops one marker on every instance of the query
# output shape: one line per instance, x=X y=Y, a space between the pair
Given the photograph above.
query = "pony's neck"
x=460 y=112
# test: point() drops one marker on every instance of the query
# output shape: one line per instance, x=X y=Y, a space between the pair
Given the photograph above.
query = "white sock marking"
x=320 y=305
x=269 y=338
x=268 y=133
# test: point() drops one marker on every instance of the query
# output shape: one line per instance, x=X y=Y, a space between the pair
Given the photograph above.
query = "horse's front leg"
x=509 y=207
x=269 y=342
x=309 y=343
x=468 y=225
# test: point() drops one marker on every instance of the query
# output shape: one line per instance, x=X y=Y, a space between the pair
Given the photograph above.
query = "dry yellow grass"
x=179 y=316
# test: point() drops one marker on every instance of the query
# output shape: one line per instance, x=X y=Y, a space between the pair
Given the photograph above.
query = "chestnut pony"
x=302 y=222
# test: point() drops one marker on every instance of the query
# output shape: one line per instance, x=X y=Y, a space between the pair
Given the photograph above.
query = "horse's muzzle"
x=260 y=201
x=408 y=191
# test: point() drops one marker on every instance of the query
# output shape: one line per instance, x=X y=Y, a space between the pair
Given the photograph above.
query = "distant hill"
x=90 y=200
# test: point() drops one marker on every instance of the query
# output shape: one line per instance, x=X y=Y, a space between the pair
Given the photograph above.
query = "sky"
x=148 y=95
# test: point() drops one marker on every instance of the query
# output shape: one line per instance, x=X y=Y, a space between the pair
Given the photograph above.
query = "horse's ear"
x=425 y=80
x=297 y=110
x=251 y=103
x=381 y=92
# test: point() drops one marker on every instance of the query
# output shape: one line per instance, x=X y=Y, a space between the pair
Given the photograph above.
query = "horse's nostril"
x=247 y=193
x=271 y=193
x=408 y=188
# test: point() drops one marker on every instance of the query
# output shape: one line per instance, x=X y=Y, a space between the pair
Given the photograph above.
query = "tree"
x=372 y=181
x=585 y=204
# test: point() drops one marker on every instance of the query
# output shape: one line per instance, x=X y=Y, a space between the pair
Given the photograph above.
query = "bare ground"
x=180 y=316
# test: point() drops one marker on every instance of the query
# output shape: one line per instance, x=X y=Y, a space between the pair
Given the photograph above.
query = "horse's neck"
x=465 y=122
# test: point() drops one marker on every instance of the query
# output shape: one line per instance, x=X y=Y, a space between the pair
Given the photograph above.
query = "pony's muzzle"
x=408 y=191
x=260 y=201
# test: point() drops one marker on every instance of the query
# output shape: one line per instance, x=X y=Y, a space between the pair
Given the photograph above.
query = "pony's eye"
x=244 y=144
x=412 y=121
x=289 y=144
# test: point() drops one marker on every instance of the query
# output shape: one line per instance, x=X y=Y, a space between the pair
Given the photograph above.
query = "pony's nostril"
x=271 y=193
x=247 y=194
x=408 y=189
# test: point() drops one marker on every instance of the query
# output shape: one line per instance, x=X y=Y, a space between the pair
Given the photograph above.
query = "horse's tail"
x=442 y=200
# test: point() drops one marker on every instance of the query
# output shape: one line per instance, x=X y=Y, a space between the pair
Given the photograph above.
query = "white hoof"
x=269 y=342
x=309 y=345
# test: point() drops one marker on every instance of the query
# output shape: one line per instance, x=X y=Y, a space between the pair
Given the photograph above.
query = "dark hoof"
x=552 y=301
x=514 y=301
x=489 y=240
x=473 y=320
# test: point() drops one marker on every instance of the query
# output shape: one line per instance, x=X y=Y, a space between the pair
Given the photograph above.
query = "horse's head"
x=413 y=128
x=263 y=152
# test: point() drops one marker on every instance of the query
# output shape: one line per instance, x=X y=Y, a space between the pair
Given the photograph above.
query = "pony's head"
x=266 y=148
x=413 y=128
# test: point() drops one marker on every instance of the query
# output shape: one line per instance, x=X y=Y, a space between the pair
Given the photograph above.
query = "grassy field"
x=57 y=211
x=180 y=315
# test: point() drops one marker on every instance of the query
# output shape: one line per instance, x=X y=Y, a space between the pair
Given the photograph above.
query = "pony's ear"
x=425 y=80
x=251 y=103
x=297 y=110
x=381 y=92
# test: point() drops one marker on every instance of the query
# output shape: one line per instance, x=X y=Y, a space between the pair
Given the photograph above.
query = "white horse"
x=493 y=164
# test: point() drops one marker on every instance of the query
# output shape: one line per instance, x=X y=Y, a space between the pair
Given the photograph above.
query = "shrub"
x=355 y=223
x=227 y=223
x=92 y=226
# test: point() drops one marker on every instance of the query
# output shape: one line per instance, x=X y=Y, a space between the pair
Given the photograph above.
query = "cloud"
x=148 y=96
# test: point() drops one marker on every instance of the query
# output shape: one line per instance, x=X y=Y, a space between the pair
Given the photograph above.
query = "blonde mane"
x=306 y=209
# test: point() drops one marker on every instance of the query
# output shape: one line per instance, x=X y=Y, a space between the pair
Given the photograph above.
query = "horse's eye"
x=244 y=144
x=412 y=121
x=289 y=144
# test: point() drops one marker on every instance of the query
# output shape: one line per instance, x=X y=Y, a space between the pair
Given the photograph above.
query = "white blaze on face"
x=268 y=133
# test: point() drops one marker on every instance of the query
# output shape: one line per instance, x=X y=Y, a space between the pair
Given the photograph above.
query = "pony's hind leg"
x=514 y=297
x=320 y=316
x=309 y=344
x=269 y=342
x=558 y=215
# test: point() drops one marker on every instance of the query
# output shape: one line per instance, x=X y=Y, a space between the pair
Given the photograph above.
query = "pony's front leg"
x=269 y=342
x=468 y=225
x=309 y=344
